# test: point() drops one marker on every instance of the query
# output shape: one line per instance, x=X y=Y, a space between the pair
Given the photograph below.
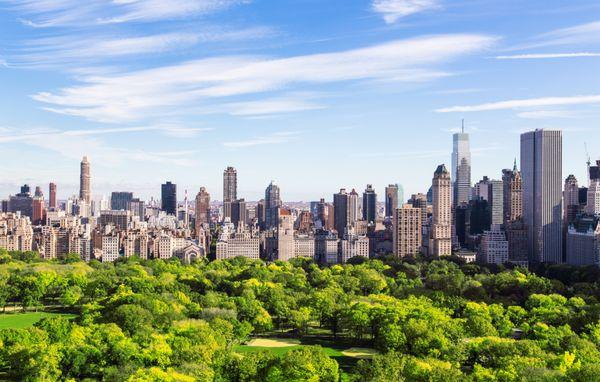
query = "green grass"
x=25 y=320
x=283 y=350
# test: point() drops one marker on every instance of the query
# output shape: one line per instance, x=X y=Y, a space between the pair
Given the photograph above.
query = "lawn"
x=25 y=320
x=280 y=346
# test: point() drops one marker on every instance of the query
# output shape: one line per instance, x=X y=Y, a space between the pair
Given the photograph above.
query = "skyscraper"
x=496 y=200
x=340 y=211
x=571 y=201
x=541 y=166
x=272 y=204
x=461 y=167
x=202 y=208
x=513 y=194
x=391 y=200
x=441 y=227
x=407 y=231
x=168 y=198
x=84 y=181
x=120 y=200
x=229 y=184
x=593 y=193
x=52 y=191
x=369 y=204
x=353 y=208
x=239 y=213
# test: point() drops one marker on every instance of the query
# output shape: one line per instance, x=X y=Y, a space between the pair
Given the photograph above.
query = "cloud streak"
x=276 y=138
x=524 y=103
x=533 y=56
x=135 y=95
x=53 y=13
x=393 y=10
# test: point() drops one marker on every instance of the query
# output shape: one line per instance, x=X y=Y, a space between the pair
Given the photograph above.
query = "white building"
x=494 y=246
x=352 y=246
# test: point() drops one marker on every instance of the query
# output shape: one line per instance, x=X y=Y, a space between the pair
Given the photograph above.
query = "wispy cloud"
x=524 y=103
x=136 y=95
x=12 y=135
x=393 y=10
x=75 y=51
x=547 y=114
x=533 y=56
x=271 y=106
x=276 y=138
x=52 y=13
x=587 y=33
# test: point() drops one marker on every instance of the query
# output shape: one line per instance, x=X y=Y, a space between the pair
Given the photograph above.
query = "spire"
x=463 y=126
x=515 y=165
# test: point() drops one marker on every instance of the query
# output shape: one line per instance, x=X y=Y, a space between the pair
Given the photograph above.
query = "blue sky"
x=316 y=95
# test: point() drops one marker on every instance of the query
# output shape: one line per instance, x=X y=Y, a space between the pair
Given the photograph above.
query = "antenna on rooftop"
x=463 y=126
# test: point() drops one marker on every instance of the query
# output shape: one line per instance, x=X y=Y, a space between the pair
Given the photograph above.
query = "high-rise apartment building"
x=239 y=212
x=120 y=200
x=513 y=194
x=593 y=193
x=496 y=201
x=340 y=211
x=494 y=246
x=407 y=232
x=272 y=205
x=285 y=235
x=461 y=168
x=441 y=227
x=202 y=208
x=369 y=204
x=571 y=205
x=52 y=192
x=85 y=193
x=353 y=208
x=229 y=184
x=168 y=197
x=391 y=200
x=541 y=167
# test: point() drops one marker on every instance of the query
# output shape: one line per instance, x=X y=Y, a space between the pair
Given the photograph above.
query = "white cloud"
x=52 y=13
x=393 y=10
x=524 y=103
x=588 y=33
x=546 y=114
x=285 y=104
x=530 y=56
x=276 y=138
x=137 y=95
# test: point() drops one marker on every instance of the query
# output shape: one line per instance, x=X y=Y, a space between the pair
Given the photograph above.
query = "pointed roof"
x=441 y=169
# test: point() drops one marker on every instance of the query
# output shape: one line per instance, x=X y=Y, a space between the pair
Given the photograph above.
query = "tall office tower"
x=272 y=205
x=481 y=189
x=407 y=231
x=239 y=212
x=541 y=167
x=441 y=227
x=513 y=194
x=85 y=193
x=260 y=213
x=353 y=208
x=391 y=200
x=229 y=184
x=120 y=200
x=285 y=235
x=340 y=211
x=593 y=193
x=369 y=204
x=461 y=167
x=202 y=208
x=168 y=197
x=496 y=200
x=52 y=190
x=570 y=200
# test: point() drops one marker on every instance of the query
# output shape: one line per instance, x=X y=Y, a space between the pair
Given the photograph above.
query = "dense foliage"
x=436 y=320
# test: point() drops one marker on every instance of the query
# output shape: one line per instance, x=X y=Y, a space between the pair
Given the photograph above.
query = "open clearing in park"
x=280 y=346
x=25 y=320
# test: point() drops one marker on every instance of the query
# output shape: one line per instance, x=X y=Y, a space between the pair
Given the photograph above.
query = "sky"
x=316 y=95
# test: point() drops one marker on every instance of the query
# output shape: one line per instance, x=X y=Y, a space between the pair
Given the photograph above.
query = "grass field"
x=279 y=346
x=25 y=320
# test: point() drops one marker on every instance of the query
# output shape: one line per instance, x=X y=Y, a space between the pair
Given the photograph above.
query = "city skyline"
x=245 y=84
